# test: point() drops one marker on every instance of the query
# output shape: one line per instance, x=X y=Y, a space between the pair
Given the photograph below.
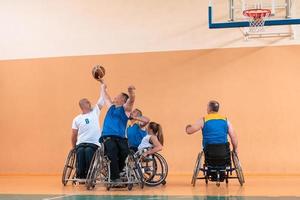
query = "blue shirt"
x=115 y=122
x=135 y=135
x=215 y=129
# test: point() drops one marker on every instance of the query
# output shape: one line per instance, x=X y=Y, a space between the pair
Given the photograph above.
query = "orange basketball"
x=98 y=72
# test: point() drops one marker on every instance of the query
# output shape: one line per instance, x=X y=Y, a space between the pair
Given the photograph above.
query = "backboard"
x=229 y=14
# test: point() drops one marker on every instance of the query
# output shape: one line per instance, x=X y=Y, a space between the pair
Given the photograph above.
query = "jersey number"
x=87 y=121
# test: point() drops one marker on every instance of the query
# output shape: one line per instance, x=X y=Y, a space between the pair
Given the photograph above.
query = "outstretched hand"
x=187 y=127
x=131 y=89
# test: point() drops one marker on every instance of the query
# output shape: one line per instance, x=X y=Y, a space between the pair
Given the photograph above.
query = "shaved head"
x=85 y=105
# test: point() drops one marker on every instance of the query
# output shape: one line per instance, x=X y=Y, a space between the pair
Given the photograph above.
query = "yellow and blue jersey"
x=215 y=129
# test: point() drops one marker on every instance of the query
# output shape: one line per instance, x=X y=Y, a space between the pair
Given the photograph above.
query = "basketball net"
x=257 y=18
x=256 y=24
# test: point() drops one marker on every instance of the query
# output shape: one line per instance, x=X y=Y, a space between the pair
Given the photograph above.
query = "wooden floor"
x=176 y=185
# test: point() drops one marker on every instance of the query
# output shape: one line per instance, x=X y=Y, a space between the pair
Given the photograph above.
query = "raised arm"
x=130 y=101
x=101 y=100
x=143 y=120
x=190 y=129
x=233 y=137
x=105 y=95
x=74 y=137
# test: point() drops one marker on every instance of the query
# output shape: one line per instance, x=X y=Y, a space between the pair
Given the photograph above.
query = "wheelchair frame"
x=150 y=171
x=99 y=172
x=199 y=166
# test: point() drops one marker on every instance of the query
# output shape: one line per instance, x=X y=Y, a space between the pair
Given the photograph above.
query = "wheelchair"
x=69 y=171
x=154 y=168
x=215 y=162
x=99 y=172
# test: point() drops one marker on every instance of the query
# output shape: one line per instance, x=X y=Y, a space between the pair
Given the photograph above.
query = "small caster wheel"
x=142 y=185
x=218 y=184
x=108 y=187
x=130 y=186
x=164 y=182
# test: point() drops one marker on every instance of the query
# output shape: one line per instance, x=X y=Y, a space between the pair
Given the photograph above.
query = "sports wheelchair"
x=69 y=172
x=216 y=164
x=99 y=172
x=154 y=168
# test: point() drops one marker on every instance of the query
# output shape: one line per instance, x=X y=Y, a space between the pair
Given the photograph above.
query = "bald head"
x=85 y=105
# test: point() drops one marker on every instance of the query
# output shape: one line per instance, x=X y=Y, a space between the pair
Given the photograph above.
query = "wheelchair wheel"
x=148 y=166
x=69 y=168
x=138 y=174
x=238 y=168
x=155 y=169
x=94 y=170
x=166 y=169
x=197 y=168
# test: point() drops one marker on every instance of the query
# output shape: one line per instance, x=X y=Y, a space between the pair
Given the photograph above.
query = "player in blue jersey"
x=215 y=128
x=114 y=129
x=135 y=130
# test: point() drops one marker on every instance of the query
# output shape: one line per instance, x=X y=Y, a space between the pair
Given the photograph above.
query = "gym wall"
x=258 y=89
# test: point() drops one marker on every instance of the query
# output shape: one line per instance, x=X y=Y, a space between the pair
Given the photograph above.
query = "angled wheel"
x=138 y=173
x=69 y=168
x=197 y=168
x=238 y=168
x=154 y=168
x=160 y=170
x=165 y=169
x=149 y=166
x=94 y=170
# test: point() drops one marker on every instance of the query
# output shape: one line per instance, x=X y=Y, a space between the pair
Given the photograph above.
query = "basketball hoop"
x=257 y=18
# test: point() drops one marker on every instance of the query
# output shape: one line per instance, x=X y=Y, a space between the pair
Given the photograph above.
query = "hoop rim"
x=257 y=13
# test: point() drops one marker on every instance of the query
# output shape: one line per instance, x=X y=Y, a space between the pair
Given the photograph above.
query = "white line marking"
x=58 y=197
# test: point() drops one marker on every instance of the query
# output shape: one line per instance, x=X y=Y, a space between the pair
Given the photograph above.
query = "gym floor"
x=178 y=187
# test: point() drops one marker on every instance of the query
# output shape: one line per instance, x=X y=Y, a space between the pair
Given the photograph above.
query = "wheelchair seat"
x=217 y=155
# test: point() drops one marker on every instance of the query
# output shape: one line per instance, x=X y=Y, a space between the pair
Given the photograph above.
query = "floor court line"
x=58 y=197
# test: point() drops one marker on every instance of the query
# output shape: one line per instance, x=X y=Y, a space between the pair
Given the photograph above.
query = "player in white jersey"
x=86 y=132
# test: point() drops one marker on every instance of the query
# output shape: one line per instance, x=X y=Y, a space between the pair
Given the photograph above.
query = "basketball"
x=98 y=72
